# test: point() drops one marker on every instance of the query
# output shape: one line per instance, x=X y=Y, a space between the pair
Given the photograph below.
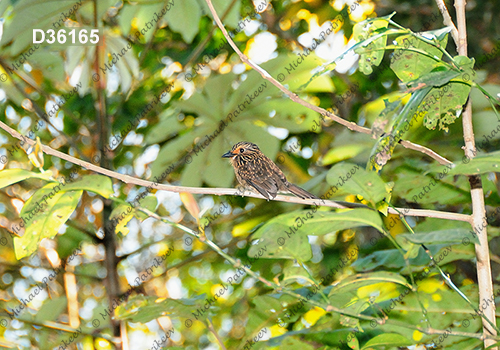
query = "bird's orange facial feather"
x=239 y=150
x=242 y=149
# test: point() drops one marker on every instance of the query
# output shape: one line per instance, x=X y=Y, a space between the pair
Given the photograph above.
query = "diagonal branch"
x=295 y=98
x=231 y=191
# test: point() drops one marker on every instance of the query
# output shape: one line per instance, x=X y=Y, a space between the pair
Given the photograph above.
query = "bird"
x=255 y=171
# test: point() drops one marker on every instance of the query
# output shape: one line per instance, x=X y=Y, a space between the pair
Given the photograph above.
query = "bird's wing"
x=265 y=192
x=264 y=176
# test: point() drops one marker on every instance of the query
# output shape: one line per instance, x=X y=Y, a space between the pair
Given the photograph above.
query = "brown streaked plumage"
x=257 y=172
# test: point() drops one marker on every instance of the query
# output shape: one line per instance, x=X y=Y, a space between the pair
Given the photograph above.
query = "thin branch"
x=214 y=332
x=65 y=328
x=447 y=19
x=441 y=160
x=231 y=191
x=294 y=97
x=483 y=265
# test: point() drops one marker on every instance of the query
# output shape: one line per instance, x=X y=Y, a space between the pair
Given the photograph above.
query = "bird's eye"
x=242 y=150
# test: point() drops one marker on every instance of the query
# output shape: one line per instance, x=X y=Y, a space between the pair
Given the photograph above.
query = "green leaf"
x=354 y=282
x=332 y=64
x=410 y=65
x=370 y=55
x=387 y=115
x=184 y=18
x=233 y=17
x=297 y=73
x=276 y=244
x=437 y=34
x=445 y=105
x=437 y=77
x=383 y=149
x=52 y=309
x=273 y=236
x=32 y=14
x=261 y=315
x=293 y=273
x=352 y=179
x=457 y=236
x=47 y=223
x=428 y=190
x=12 y=176
x=122 y=214
x=127 y=65
x=52 y=65
x=143 y=309
x=392 y=258
x=99 y=184
x=445 y=309
x=337 y=154
x=141 y=15
x=479 y=165
x=291 y=343
x=116 y=50
x=486 y=129
x=149 y=203
x=387 y=339
x=71 y=241
x=167 y=126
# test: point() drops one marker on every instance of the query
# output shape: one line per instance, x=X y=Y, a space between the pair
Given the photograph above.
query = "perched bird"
x=256 y=171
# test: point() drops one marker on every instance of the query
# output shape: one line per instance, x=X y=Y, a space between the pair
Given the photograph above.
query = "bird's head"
x=242 y=150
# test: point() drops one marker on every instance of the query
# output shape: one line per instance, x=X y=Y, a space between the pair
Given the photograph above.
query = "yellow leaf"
x=276 y=330
x=121 y=227
x=220 y=291
x=313 y=315
x=191 y=205
x=394 y=224
x=341 y=153
x=35 y=153
x=467 y=281
x=383 y=290
x=430 y=286
x=436 y=297
x=246 y=226
x=417 y=335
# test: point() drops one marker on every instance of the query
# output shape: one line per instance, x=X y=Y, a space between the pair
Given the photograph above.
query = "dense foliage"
x=91 y=262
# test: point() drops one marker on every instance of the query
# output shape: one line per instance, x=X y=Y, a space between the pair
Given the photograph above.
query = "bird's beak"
x=228 y=154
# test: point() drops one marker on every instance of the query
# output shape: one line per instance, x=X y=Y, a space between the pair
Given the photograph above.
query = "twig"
x=441 y=160
x=294 y=97
x=483 y=266
x=214 y=332
x=65 y=328
x=230 y=191
x=447 y=19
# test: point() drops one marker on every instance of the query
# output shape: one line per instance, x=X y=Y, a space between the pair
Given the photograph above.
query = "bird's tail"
x=300 y=192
